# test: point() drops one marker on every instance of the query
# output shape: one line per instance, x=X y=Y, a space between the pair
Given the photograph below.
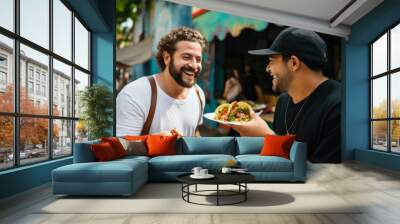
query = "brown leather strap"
x=201 y=107
x=150 y=116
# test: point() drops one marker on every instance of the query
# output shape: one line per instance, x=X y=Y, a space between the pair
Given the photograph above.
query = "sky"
x=34 y=26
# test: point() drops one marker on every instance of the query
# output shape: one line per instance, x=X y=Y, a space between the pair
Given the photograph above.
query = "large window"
x=44 y=64
x=385 y=91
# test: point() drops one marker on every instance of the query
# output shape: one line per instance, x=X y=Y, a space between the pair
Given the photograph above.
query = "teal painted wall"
x=100 y=17
x=356 y=85
x=24 y=178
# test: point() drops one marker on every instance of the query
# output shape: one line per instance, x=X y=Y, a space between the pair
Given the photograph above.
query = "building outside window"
x=30 y=87
x=35 y=52
x=3 y=72
x=30 y=72
x=385 y=93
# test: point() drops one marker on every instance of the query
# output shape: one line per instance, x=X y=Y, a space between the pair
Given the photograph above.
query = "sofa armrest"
x=83 y=152
x=298 y=155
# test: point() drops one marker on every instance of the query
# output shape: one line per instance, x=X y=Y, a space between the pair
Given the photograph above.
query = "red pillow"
x=276 y=145
x=136 y=138
x=116 y=145
x=103 y=151
x=161 y=145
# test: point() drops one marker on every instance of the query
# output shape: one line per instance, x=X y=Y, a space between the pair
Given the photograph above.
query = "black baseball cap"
x=306 y=45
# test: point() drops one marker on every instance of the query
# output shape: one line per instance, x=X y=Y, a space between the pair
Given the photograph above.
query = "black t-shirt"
x=317 y=124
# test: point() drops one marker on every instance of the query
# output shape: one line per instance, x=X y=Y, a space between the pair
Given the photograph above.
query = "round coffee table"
x=238 y=179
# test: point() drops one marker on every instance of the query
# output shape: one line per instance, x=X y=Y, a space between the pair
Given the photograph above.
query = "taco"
x=239 y=111
x=221 y=113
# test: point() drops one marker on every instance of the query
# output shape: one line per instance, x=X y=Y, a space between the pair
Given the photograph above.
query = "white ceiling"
x=325 y=16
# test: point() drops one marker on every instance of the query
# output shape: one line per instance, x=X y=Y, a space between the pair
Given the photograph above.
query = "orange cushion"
x=276 y=145
x=103 y=151
x=136 y=138
x=161 y=145
x=116 y=145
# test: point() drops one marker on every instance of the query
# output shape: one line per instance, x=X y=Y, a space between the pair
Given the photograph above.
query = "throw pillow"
x=275 y=145
x=116 y=145
x=135 y=147
x=135 y=138
x=103 y=151
x=161 y=145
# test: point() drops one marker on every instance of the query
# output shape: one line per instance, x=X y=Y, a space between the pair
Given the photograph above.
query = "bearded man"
x=169 y=100
x=309 y=106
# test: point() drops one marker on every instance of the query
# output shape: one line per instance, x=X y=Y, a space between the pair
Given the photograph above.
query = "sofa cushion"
x=206 y=145
x=257 y=163
x=185 y=163
x=249 y=145
x=83 y=153
x=112 y=171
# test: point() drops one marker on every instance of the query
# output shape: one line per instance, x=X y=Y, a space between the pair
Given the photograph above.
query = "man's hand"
x=255 y=127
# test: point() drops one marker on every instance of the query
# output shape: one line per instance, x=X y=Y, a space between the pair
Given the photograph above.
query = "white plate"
x=211 y=116
x=259 y=107
x=208 y=176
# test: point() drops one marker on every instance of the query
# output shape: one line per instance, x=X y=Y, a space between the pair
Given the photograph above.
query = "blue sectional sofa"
x=125 y=176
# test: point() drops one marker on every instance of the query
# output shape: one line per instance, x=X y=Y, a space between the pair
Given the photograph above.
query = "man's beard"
x=282 y=83
x=178 y=75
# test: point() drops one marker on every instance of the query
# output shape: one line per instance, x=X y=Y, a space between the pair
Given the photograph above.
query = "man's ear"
x=166 y=57
x=294 y=63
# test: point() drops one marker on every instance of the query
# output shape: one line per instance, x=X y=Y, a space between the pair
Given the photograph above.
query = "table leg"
x=217 y=194
x=245 y=191
x=196 y=188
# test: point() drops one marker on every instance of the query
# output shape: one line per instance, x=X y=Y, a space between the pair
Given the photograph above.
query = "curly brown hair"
x=168 y=42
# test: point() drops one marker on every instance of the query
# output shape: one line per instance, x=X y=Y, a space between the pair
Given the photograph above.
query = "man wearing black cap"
x=310 y=105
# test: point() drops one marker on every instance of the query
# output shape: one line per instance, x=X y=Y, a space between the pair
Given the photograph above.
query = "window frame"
x=388 y=74
x=16 y=114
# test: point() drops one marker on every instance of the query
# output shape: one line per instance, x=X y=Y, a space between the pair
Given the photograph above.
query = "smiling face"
x=281 y=75
x=185 y=63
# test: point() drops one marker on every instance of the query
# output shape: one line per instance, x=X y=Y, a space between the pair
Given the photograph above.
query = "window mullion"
x=16 y=84
x=389 y=106
x=73 y=83
x=50 y=81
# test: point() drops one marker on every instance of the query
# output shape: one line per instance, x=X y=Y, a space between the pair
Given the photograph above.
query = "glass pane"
x=379 y=97
x=62 y=138
x=81 y=81
x=6 y=74
x=34 y=92
x=395 y=138
x=62 y=89
x=379 y=135
x=6 y=142
x=33 y=139
x=35 y=21
x=395 y=47
x=395 y=94
x=7 y=14
x=81 y=45
x=81 y=131
x=62 y=29
x=379 y=55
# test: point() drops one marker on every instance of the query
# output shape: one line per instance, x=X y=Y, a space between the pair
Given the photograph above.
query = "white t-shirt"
x=133 y=104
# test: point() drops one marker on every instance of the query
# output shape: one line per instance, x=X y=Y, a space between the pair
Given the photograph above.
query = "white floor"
x=378 y=189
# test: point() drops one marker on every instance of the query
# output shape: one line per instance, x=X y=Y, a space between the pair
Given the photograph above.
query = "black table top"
x=220 y=178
